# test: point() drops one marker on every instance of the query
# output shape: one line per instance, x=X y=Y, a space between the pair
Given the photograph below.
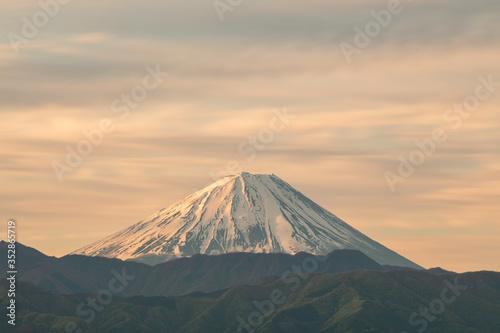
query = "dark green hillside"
x=358 y=301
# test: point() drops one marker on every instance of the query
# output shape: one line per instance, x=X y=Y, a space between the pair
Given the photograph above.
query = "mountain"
x=359 y=301
x=241 y=213
x=200 y=273
x=29 y=256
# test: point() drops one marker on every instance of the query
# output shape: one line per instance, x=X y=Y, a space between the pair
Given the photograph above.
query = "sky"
x=174 y=94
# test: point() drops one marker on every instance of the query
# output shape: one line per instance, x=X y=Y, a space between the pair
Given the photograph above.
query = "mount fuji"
x=240 y=213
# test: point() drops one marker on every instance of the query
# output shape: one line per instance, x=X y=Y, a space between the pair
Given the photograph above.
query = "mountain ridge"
x=200 y=273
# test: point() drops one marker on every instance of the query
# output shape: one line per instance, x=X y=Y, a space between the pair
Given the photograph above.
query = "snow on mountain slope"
x=241 y=213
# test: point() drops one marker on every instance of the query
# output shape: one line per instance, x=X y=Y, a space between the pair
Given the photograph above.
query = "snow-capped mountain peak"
x=240 y=213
